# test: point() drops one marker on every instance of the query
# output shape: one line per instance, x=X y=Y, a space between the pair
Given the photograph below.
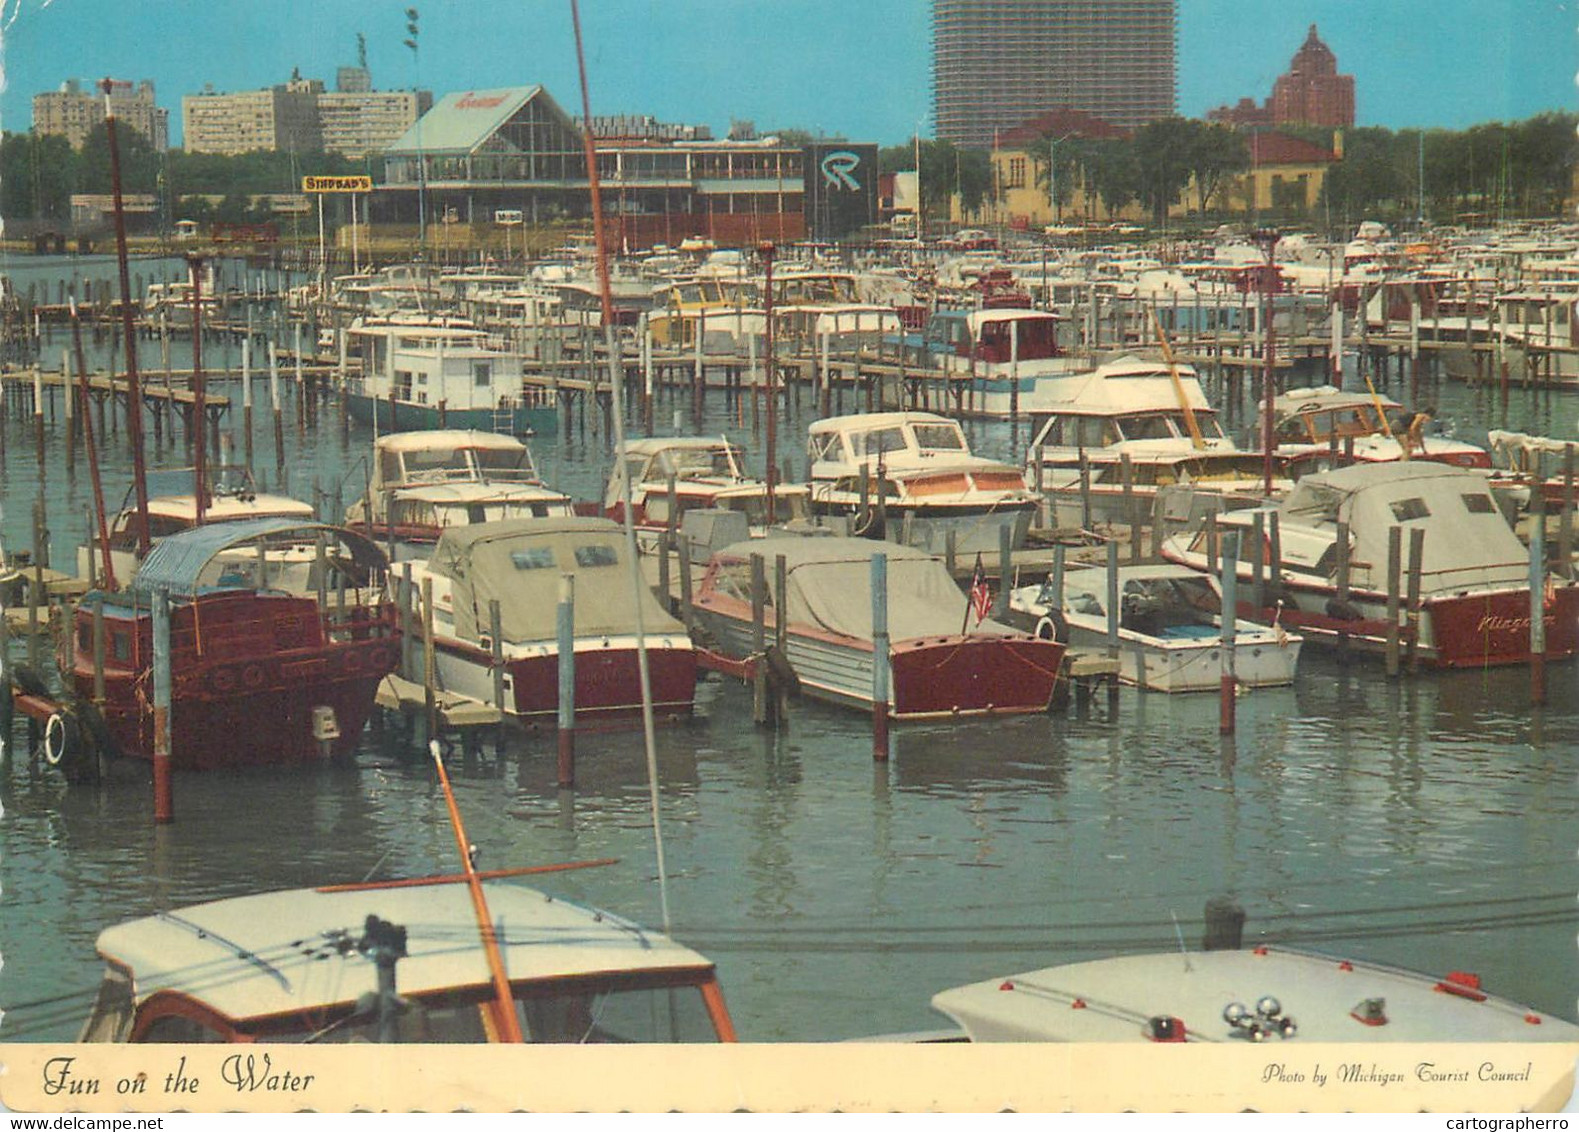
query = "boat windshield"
x=694 y=463
x=939 y=436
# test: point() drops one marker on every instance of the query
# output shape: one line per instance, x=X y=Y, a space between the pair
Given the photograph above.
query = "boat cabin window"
x=174 y=1028
x=939 y=436
x=1479 y=504
x=533 y=558
x=733 y=579
x=597 y=554
x=787 y=507
x=482 y=374
x=824 y=446
x=877 y=440
x=1079 y=432
x=1407 y=509
x=1148 y=427
x=121 y=646
x=500 y=464
x=694 y=462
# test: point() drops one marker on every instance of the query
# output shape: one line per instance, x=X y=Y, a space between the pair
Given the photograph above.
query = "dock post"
x=1538 y=609
x=1112 y=599
x=1394 y=554
x=38 y=419
x=7 y=706
x=1228 y=684
x=1342 y=548
x=246 y=399
x=1258 y=564
x=665 y=545
x=880 y=658
x=1057 y=577
x=99 y=649
x=1412 y=594
x=566 y=626
x=1042 y=509
x=496 y=648
x=1000 y=605
x=1274 y=581
x=1211 y=543
x=682 y=564
x=760 y=710
x=430 y=703
x=164 y=801
x=1085 y=491
x=279 y=418
x=68 y=403
x=950 y=550
x=1127 y=478
x=1565 y=525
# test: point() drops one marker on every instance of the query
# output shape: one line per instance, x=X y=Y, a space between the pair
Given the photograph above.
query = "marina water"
x=1430 y=822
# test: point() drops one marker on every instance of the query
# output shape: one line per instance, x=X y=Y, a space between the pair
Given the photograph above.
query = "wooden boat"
x=921 y=466
x=1169 y=628
x=1312 y=426
x=240 y=653
x=1474 y=605
x=1266 y=994
x=938 y=669
x=304 y=965
x=425 y=481
x=426 y=373
x=519 y=564
x=708 y=472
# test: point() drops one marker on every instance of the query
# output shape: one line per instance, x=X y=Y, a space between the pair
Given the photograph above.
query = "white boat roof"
x=1110 y=1000
x=978 y=318
x=864 y=422
x=652 y=445
x=226 y=508
x=447 y=439
x=281 y=952
x=459 y=493
x=1123 y=386
x=1323 y=398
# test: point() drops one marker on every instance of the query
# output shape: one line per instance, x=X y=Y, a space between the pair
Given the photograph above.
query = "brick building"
x=1310 y=93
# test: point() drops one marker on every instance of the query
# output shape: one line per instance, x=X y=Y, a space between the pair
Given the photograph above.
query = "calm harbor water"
x=1431 y=822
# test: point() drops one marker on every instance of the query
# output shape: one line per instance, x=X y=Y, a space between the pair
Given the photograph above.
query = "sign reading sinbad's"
x=337 y=184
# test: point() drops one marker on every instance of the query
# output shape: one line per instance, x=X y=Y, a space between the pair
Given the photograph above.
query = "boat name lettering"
x=1492 y=623
x=253 y=1073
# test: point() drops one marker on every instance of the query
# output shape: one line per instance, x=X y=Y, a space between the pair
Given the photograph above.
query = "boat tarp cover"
x=1463 y=548
x=519 y=563
x=176 y=562
x=828 y=583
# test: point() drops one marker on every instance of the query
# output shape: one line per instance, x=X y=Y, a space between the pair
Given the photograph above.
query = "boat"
x=1137 y=427
x=1474 y=587
x=422 y=482
x=931 y=483
x=1318 y=426
x=426 y=372
x=938 y=668
x=1168 y=628
x=306 y=965
x=241 y=650
x=708 y=472
x=519 y=563
x=1009 y=356
x=1265 y=995
x=172 y=508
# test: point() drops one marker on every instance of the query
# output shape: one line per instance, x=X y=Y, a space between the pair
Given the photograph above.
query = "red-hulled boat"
x=258 y=675
x=519 y=563
x=938 y=669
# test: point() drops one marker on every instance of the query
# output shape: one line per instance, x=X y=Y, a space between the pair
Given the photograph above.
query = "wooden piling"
x=496 y=651
x=1227 y=687
x=164 y=800
x=759 y=670
x=1000 y=604
x=683 y=568
x=430 y=676
x=1394 y=554
x=1345 y=573
x=566 y=719
x=1412 y=596
x=1565 y=524
x=1538 y=609
x=880 y=657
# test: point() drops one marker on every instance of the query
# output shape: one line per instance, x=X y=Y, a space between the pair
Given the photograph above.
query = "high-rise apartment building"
x=77 y=107
x=997 y=63
x=1310 y=93
x=353 y=120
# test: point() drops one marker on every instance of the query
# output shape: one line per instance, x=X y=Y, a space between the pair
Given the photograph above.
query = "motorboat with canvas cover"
x=943 y=658
x=519 y=563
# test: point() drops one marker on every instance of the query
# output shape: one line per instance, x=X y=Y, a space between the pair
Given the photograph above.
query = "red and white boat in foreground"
x=938 y=669
x=259 y=675
x=1474 y=576
x=519 y=563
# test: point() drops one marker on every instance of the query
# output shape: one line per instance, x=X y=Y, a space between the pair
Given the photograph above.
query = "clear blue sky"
x=855 y=67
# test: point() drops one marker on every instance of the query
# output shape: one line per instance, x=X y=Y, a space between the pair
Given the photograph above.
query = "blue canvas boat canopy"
x=177 y=561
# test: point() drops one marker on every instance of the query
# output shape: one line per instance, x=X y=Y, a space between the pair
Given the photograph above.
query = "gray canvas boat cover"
x=176 y=562
x=828 y=585
x=518 y=562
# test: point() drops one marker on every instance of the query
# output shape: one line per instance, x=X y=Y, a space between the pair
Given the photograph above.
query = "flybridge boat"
x=939 y=669
x=1475 y=605
x=1169 y=628
x=708 y=472
x=519 y=563
x=921 y=478
x=1009 y=356
x=1145 y=421
x=241 y=650
x=424 y=373
x=303 y=965
x=1311 y=425
x=172 y=508
x=423 y=482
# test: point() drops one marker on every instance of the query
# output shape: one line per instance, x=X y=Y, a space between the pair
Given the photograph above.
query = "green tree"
x=38 y=174
x=1164 y=159
x=1112 y=173
x=1214 y=152
x=139 y=161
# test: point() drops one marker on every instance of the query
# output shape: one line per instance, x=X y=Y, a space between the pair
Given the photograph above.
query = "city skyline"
x=1449 y=64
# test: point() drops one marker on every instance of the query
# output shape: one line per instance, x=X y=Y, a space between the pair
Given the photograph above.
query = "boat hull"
x=406 y=416
x=1193 y=665
x=931 y=677
x=975 y=527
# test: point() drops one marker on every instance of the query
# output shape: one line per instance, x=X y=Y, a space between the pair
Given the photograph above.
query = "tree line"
x=1488 y=172
x=39 y=174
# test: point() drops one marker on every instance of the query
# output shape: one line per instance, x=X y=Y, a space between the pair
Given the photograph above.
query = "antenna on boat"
x=502 y=1008
x=616 y=379
x=1178 y=931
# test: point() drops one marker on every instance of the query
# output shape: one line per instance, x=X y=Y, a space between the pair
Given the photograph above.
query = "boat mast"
x=108 y=581
x=506 y=1025
x=134 y=392
x=616 y=386
x=199 y=392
